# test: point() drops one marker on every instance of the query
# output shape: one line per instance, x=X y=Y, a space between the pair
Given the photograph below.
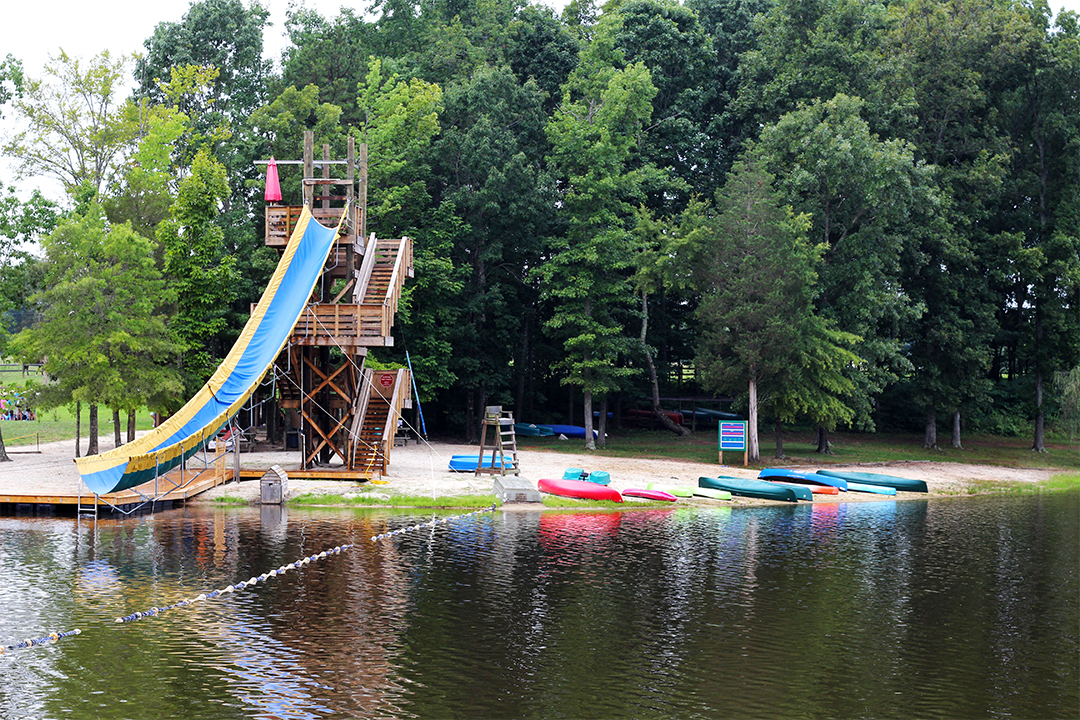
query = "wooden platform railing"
x=344 y=324
x=282 y=219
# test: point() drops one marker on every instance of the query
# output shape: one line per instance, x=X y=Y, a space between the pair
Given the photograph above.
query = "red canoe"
x=579 y=489
x=650 y=494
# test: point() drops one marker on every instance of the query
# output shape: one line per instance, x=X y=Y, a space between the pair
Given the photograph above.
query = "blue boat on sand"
x=468 y=463
x=801 y=477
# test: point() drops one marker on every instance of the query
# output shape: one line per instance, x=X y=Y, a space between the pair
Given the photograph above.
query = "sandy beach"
x=421 y=469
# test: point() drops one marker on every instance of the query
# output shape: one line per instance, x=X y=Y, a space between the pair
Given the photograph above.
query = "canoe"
x=801 y=477
x=467 y=463
x=814 y=489
x=530 y=430
x=876 y=489
x=673 y=489
x=900 y=483
x=712 y=494
x=750 y=488
x=579 y=489
x=570 y=431
x=649 y=494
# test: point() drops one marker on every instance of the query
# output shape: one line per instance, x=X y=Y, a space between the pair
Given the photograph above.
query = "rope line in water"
x=155 y=611
x=50 y=638
x=431 y=523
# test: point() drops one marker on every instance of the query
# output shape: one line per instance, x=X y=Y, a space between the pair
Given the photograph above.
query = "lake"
x=943 y=608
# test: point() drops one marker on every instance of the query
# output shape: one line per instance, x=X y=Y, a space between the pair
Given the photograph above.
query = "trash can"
x=274 y=486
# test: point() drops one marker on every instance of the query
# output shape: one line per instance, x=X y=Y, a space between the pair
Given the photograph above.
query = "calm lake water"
x=948 y=608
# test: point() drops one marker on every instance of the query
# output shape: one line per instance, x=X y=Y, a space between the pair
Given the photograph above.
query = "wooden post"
x=309 y=166
x=361 y=199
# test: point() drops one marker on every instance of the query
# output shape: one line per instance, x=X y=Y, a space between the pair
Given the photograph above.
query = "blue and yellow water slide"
x=187 y=432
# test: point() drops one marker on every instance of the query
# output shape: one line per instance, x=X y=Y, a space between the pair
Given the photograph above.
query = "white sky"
x=32 y=32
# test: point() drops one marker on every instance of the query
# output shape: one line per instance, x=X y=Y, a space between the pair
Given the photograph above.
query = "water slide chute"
x=263 y=337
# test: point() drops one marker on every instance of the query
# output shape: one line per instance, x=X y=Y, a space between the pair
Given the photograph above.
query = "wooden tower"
x=346 y=416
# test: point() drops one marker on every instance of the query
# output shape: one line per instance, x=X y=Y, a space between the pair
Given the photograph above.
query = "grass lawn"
x=848 y=447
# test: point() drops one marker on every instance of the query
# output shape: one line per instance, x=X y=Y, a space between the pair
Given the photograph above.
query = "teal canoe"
x=754 y=488
x=530 y=430
x=900 y=483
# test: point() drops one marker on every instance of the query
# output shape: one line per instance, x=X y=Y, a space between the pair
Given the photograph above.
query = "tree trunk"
x=930 y=438
x=116 y=428
x=779 y=440
x=956 y=430
x=823 y=441
x=3 y=450
x=601 y=431
x=658 y=414
x=1040 y=415
x=78 y=428
x=92 y=447
x=590 y=441
x=753 y=454
x=570 y=406
x=470 y=418
x=131 y=426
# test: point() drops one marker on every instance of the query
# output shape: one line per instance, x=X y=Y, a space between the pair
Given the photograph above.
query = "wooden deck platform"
x=314 y=474
x=168 y=488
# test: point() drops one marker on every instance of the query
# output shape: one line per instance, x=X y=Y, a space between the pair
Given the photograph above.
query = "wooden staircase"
x=347 y=414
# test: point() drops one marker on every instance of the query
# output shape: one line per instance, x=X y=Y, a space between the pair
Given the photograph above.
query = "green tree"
x=11 y=80
x=202 y=274
x=102 y=326
x=594 y=134
x=399 y=119
x=487 y=166
x=861 y=192
x=73 y=122
x=756 y=274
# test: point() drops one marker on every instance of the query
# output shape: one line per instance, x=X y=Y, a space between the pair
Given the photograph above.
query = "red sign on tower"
x=386 y=380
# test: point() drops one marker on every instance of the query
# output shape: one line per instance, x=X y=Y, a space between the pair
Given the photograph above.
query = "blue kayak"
x=468 y=463
x=900 y=483
x=795 y=476
x=570 y=431
x=875 y=489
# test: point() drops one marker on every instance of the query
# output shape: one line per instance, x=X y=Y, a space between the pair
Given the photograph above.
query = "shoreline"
x=421 y=470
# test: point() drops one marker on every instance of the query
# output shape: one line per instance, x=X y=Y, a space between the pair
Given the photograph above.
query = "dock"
x=166 y=491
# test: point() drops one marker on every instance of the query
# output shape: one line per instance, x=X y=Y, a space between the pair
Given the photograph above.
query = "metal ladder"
x=504 y=441
x=86 y=510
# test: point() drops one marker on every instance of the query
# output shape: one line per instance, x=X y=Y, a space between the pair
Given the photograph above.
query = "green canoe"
x=673 y=489
x=901 y=484
x=712 y=494
x=753 y=488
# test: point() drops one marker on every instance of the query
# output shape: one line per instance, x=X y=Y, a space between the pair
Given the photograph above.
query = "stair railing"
x=359 y=412
x=363 y=275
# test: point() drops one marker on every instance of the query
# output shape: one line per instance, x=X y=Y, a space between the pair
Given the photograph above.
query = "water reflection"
x=887 y=609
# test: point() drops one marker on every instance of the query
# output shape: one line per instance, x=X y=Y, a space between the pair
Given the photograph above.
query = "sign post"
x=733 y=437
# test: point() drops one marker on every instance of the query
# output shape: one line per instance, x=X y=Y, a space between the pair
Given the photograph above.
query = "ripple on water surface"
x=889 y=609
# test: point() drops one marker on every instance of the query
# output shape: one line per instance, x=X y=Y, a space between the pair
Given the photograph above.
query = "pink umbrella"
x=273 y=188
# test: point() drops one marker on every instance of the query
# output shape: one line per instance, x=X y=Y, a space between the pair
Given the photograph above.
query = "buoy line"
x=431 y=523
x=155 y=611
x=48 y=639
